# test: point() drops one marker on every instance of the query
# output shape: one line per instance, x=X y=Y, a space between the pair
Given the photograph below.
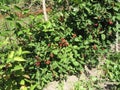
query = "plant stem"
x=44 y=11
x=117 y=40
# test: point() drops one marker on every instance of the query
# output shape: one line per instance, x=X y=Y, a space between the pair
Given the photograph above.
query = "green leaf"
x=22 y=82
x=1 y=73
x=33 y=87
x=16 y=68
x=90 y=37
x=118 y=17
x=9 y=18
x=23 y=88
x=11 y=55
x=19 y=52
x=48 y=25
x=75 y=47
x=57 y=39
x=103 y=36
x=5 y=42
x=48 y=30
x=77 y=39
x=55 y=65
x=4 y=7
x=55 y=52
x=75 y=63
x=59 y=1
x=86 y=42
x=116 y=8
x=20 y=33
x=17 y=8
x=1 y=66
x=19 y=59
x=26 y=52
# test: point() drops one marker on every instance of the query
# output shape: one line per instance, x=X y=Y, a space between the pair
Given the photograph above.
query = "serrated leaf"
x=19 y=59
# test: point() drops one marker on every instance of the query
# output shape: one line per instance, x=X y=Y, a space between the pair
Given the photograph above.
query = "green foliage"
x=112 y=67
x=12 y=70
x=91 y=84
x=112 y=70
x=95 y=22
x=10 y=1
x=34 y=52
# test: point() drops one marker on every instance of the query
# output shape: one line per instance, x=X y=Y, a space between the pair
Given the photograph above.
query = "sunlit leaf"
x=19 y=59
x=11 y=55
x=22 y=82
